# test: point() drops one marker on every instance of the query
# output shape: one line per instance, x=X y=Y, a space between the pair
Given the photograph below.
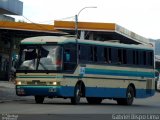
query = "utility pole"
x=76 y=29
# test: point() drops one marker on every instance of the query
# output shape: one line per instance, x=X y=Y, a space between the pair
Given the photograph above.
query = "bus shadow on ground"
x=109 y=103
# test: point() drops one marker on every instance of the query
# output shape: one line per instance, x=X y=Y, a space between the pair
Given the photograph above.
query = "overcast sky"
x=139 y=16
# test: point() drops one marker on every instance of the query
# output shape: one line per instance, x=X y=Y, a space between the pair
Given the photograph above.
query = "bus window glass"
x=114 y=55
x=70 y=56
x=107 y=55
x=84 y=53
x=137 y=57
x=40 y=58
x=95 y=53
x=120 y=56
x=144 y=58
x=150 y=58
x=91 y=53
x=100 y=55
x=67 y=57
x=130 y=57
x=124 y=56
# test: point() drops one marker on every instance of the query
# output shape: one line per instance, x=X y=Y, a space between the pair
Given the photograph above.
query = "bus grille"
x=36 y=83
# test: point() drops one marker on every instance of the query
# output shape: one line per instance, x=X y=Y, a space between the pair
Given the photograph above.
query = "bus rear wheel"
x=39 y=99
x=77 y=94
x=129 y=97
x=93 y=100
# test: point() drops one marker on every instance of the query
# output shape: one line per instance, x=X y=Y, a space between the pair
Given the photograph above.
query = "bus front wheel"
x=129 y=97
x=77 y=94
x=39 y=99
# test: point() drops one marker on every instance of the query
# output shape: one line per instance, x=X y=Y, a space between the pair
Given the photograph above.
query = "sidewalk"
x=7 y=92
x=7 y=84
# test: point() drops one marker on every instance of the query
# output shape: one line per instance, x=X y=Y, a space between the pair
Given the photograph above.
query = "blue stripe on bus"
x=45 y=90
x=119 y=73
x=116 y=92
x=68 y=91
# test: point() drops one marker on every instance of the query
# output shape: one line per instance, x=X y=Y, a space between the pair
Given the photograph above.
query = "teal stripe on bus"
x=119 y=73
x=32 y=43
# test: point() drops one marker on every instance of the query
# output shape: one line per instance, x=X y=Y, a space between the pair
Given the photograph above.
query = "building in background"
x=11 y=7
x=6 y=18
x=7 y=7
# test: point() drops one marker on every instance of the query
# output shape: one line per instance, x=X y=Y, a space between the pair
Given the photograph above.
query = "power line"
x=28 y=19
x=35 y=23
x=47 y=21
x=30 y=22
x=52 y=19
x=67 y=18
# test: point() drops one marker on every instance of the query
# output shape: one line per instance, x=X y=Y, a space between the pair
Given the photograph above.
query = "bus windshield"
x=40 y=58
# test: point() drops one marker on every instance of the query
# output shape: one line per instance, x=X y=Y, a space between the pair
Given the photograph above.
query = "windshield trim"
x=38 y=71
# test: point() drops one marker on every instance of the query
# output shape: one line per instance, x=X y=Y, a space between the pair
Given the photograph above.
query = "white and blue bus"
x=48 y=67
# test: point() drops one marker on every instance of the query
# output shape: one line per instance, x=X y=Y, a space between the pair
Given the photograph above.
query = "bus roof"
x=65 y=40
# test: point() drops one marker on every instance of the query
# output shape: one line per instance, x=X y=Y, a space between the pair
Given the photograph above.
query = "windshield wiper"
x=38 y=62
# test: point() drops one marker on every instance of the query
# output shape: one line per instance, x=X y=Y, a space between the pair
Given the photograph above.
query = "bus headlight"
x=19 y=83
x=54 y=83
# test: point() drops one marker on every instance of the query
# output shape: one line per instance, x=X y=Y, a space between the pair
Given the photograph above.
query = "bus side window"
x=90 y=53
x=137 y=57
x=130 y=57
x=84 y=53
x=69 y=57
x=144 y=58
x=100 y=55
x=124 y=56
x=150 y=58
x=114 y=55
x=120 y=56
x=107 y=55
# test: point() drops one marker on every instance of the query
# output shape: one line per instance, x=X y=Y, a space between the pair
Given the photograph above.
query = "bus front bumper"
x=53 y=91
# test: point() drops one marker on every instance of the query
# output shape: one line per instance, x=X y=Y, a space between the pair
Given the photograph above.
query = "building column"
x=10 y=55
x=82 y=35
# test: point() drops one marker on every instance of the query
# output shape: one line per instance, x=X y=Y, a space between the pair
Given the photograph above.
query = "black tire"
x=39 y=99
x=77 y=94
x=129 y=97
x=93 y=100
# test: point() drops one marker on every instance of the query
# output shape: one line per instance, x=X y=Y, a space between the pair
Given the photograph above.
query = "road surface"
x=62 y=109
